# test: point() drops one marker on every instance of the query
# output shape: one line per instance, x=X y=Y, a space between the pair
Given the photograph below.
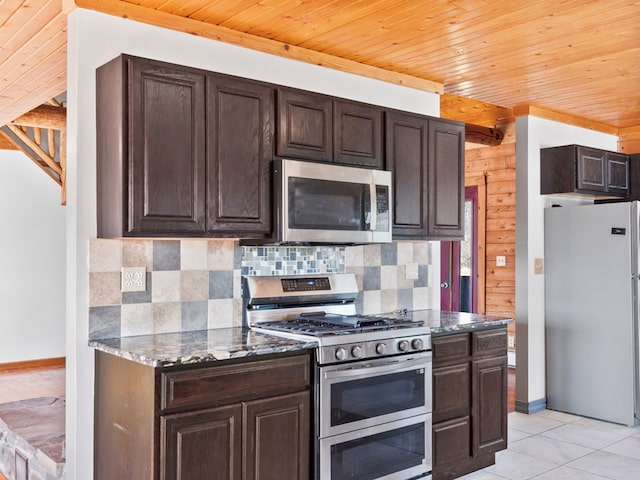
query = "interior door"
x=459 y=262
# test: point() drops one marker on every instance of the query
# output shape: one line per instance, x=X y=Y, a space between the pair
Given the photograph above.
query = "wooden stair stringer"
x=41 y=136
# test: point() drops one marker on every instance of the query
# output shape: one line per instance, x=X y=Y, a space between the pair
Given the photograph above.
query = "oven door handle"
x=390 y=367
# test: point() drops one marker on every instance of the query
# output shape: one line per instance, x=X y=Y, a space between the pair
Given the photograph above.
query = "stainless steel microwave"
x=323 y=203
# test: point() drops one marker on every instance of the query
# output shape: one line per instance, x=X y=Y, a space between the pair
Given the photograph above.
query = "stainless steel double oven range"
x=372 y=375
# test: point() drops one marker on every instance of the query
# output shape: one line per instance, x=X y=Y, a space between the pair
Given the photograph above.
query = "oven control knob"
x=403 y=345
x=381 y=348
x=417 y=344
x=356 y=351
x=341 y=354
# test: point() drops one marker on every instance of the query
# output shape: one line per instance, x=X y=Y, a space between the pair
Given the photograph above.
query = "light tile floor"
x=557 y=446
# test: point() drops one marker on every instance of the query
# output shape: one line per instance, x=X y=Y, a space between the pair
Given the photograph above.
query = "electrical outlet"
x=512 y=341
x=134 y=279
x=501 y=261
x=411 y=271
x=538 y=266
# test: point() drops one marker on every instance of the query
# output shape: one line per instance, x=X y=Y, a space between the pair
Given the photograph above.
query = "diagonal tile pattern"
x=553 y=445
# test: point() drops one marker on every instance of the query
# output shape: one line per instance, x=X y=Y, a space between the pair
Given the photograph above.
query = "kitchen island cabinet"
x=227 y=419
x=469 y=400
x=182 y=151
x=426 y=157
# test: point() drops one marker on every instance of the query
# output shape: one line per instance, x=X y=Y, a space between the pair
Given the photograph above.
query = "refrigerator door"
x=590 y=310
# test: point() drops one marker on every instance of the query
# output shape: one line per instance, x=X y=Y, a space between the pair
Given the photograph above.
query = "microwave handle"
x=373 y=197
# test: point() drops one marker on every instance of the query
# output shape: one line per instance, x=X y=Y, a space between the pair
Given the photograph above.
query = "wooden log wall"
x=497 y=164
x=629 y=140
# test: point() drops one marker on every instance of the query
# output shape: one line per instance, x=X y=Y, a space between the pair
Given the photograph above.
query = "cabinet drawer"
x=489 y=342
x=450 y=347
x=227 y=384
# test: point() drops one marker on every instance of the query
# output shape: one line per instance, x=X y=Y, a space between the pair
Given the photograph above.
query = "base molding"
x=43 y=362
x=531 y=407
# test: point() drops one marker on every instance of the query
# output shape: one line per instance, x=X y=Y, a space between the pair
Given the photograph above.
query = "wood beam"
x=482 y=135
x=17 y=137
x=541 y=112
x=469 y=110
x=6 y=143
x=174 y=22
x=44 y=116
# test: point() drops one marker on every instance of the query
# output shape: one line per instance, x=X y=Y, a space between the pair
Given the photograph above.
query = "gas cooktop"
x=324 y=324
x=322 y=308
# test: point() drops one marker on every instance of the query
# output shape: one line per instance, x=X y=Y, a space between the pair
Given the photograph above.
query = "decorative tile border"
x=292 y=260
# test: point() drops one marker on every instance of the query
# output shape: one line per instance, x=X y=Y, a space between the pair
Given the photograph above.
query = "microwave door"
x=327 y=211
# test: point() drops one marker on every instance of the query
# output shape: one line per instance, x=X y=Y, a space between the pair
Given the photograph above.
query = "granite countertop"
x=186 y=348
x=183 y=348
x=441 y=322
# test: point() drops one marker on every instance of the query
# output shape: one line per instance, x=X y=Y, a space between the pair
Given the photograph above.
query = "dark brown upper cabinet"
x=634 y=176
x=305 y=125
x=357 y=134
x=573 y=169
x=181 y=151
x=406 y=157
x=445 y=193
x=318 y=127
x=150 y=148
x=241 y=123
x=426 y=157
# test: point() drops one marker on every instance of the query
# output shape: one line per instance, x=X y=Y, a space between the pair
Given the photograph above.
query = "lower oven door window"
x=394 y=451
x=364 y=394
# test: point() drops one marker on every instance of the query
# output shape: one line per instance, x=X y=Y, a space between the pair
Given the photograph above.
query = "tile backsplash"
x=195 y=284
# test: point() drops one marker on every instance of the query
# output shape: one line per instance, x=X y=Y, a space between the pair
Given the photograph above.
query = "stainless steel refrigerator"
x=591 y=310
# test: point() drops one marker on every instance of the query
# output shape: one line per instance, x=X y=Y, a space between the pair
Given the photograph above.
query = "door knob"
x=444 y=285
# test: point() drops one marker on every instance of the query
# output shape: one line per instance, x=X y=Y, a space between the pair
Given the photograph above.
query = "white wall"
x=94 y=39
x=32 y=262
x=532 y=134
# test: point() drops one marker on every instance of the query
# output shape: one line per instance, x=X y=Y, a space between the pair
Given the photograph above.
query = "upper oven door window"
x=362 y=394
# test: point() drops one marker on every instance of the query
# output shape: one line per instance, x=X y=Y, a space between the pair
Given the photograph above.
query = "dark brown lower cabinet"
x=469 y=401
x=202 y=445
x=233 y=421
x=276 y=437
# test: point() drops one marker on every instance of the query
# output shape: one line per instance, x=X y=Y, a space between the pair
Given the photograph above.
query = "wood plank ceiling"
x=577 y=57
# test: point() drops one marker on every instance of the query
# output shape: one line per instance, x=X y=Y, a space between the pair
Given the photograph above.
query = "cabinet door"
x=591 y=169
x=357 y=134
x=166 y=134
x=446 y=180
x=617 y=173
x=241 y=116
x=277 y=438
x=451 y=445
x=406 y=138
x=305 y=125
x=451 y=392
x=489 y=400
x=202 y=445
